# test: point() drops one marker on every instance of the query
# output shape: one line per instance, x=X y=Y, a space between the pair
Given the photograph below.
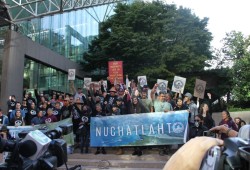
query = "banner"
x=69 y=138
x=115 y=71
x=71 y=74
x=156 y=128
x=199 y=89
x=178 y=84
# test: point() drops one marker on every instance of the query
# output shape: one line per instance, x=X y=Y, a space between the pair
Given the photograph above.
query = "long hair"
x=228 y=114
x=201 y=108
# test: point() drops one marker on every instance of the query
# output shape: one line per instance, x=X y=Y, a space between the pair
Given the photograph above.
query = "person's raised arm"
x=72 y=87
x=153 y=91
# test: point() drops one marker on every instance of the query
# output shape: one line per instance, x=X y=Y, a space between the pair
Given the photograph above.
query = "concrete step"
x=150 y=160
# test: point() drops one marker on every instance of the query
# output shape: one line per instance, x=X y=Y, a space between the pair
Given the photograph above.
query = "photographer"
x=197 y=148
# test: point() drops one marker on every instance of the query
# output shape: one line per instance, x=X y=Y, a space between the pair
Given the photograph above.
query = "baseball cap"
x=189 y=95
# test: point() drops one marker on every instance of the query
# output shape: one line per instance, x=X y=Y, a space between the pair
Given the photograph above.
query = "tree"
x=236 y=48
x=153 y=39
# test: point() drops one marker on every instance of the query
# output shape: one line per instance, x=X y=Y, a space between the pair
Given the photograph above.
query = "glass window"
x=44 y=78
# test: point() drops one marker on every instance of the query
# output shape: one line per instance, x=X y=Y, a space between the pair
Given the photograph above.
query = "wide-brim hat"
x=112 y=89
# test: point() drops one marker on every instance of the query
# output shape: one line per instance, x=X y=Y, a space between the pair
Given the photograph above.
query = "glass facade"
x=68 y=34
x=3 y=31
x=44 y=78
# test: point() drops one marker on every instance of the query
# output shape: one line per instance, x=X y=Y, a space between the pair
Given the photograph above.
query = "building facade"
x=39 y=51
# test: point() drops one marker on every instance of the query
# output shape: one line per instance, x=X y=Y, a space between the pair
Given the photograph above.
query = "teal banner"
x=144 y=129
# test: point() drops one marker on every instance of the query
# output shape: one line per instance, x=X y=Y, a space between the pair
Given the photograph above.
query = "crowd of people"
x=119 y=99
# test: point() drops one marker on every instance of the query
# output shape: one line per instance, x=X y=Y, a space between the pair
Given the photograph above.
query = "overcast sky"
x=224 y=15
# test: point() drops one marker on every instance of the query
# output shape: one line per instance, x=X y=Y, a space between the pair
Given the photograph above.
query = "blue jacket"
x=5 y=120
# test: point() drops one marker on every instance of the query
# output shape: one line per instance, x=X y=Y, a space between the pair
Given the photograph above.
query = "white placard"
x=71 y=74
x=162 y=85
x=142 y=80
x=178 y=84
x=105 y=84
x=87 y=82
x=96 y=84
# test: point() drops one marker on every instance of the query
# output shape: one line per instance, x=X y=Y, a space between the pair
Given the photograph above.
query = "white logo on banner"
x=178 y=127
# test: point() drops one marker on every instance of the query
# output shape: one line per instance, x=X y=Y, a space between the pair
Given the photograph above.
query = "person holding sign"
x=160 y=104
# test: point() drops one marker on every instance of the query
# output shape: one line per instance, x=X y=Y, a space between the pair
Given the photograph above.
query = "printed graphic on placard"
x=162 y=85
x=97 y=85
x=71 y=74
x=142 y=80
x=178 y=84
x=199 y=89
x=87 y=82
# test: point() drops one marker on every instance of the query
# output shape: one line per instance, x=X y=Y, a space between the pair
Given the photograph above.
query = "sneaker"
x=97 y=152
x=103 y=151
x=135 y=153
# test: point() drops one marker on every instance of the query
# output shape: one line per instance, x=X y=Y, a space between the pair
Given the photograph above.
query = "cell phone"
x=211 y=159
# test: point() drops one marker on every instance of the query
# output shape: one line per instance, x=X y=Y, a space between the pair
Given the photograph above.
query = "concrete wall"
x=16 y=48
x=244 y=115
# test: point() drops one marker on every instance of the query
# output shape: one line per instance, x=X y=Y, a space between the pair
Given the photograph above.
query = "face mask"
x=197 y=124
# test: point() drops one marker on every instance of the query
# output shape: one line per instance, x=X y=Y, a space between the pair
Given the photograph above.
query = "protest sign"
x=199 y=89
x=142 y=80
x=87 y=82
x=139 y=129
x=162 y=85
x=178 y=84
x=115 y=71
x=71 y=74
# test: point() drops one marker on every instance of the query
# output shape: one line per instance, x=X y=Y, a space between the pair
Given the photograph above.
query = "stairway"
x=150 y=160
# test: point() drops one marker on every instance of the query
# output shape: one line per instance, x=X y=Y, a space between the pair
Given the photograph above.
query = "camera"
x=235 y=154
x=36 y=150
